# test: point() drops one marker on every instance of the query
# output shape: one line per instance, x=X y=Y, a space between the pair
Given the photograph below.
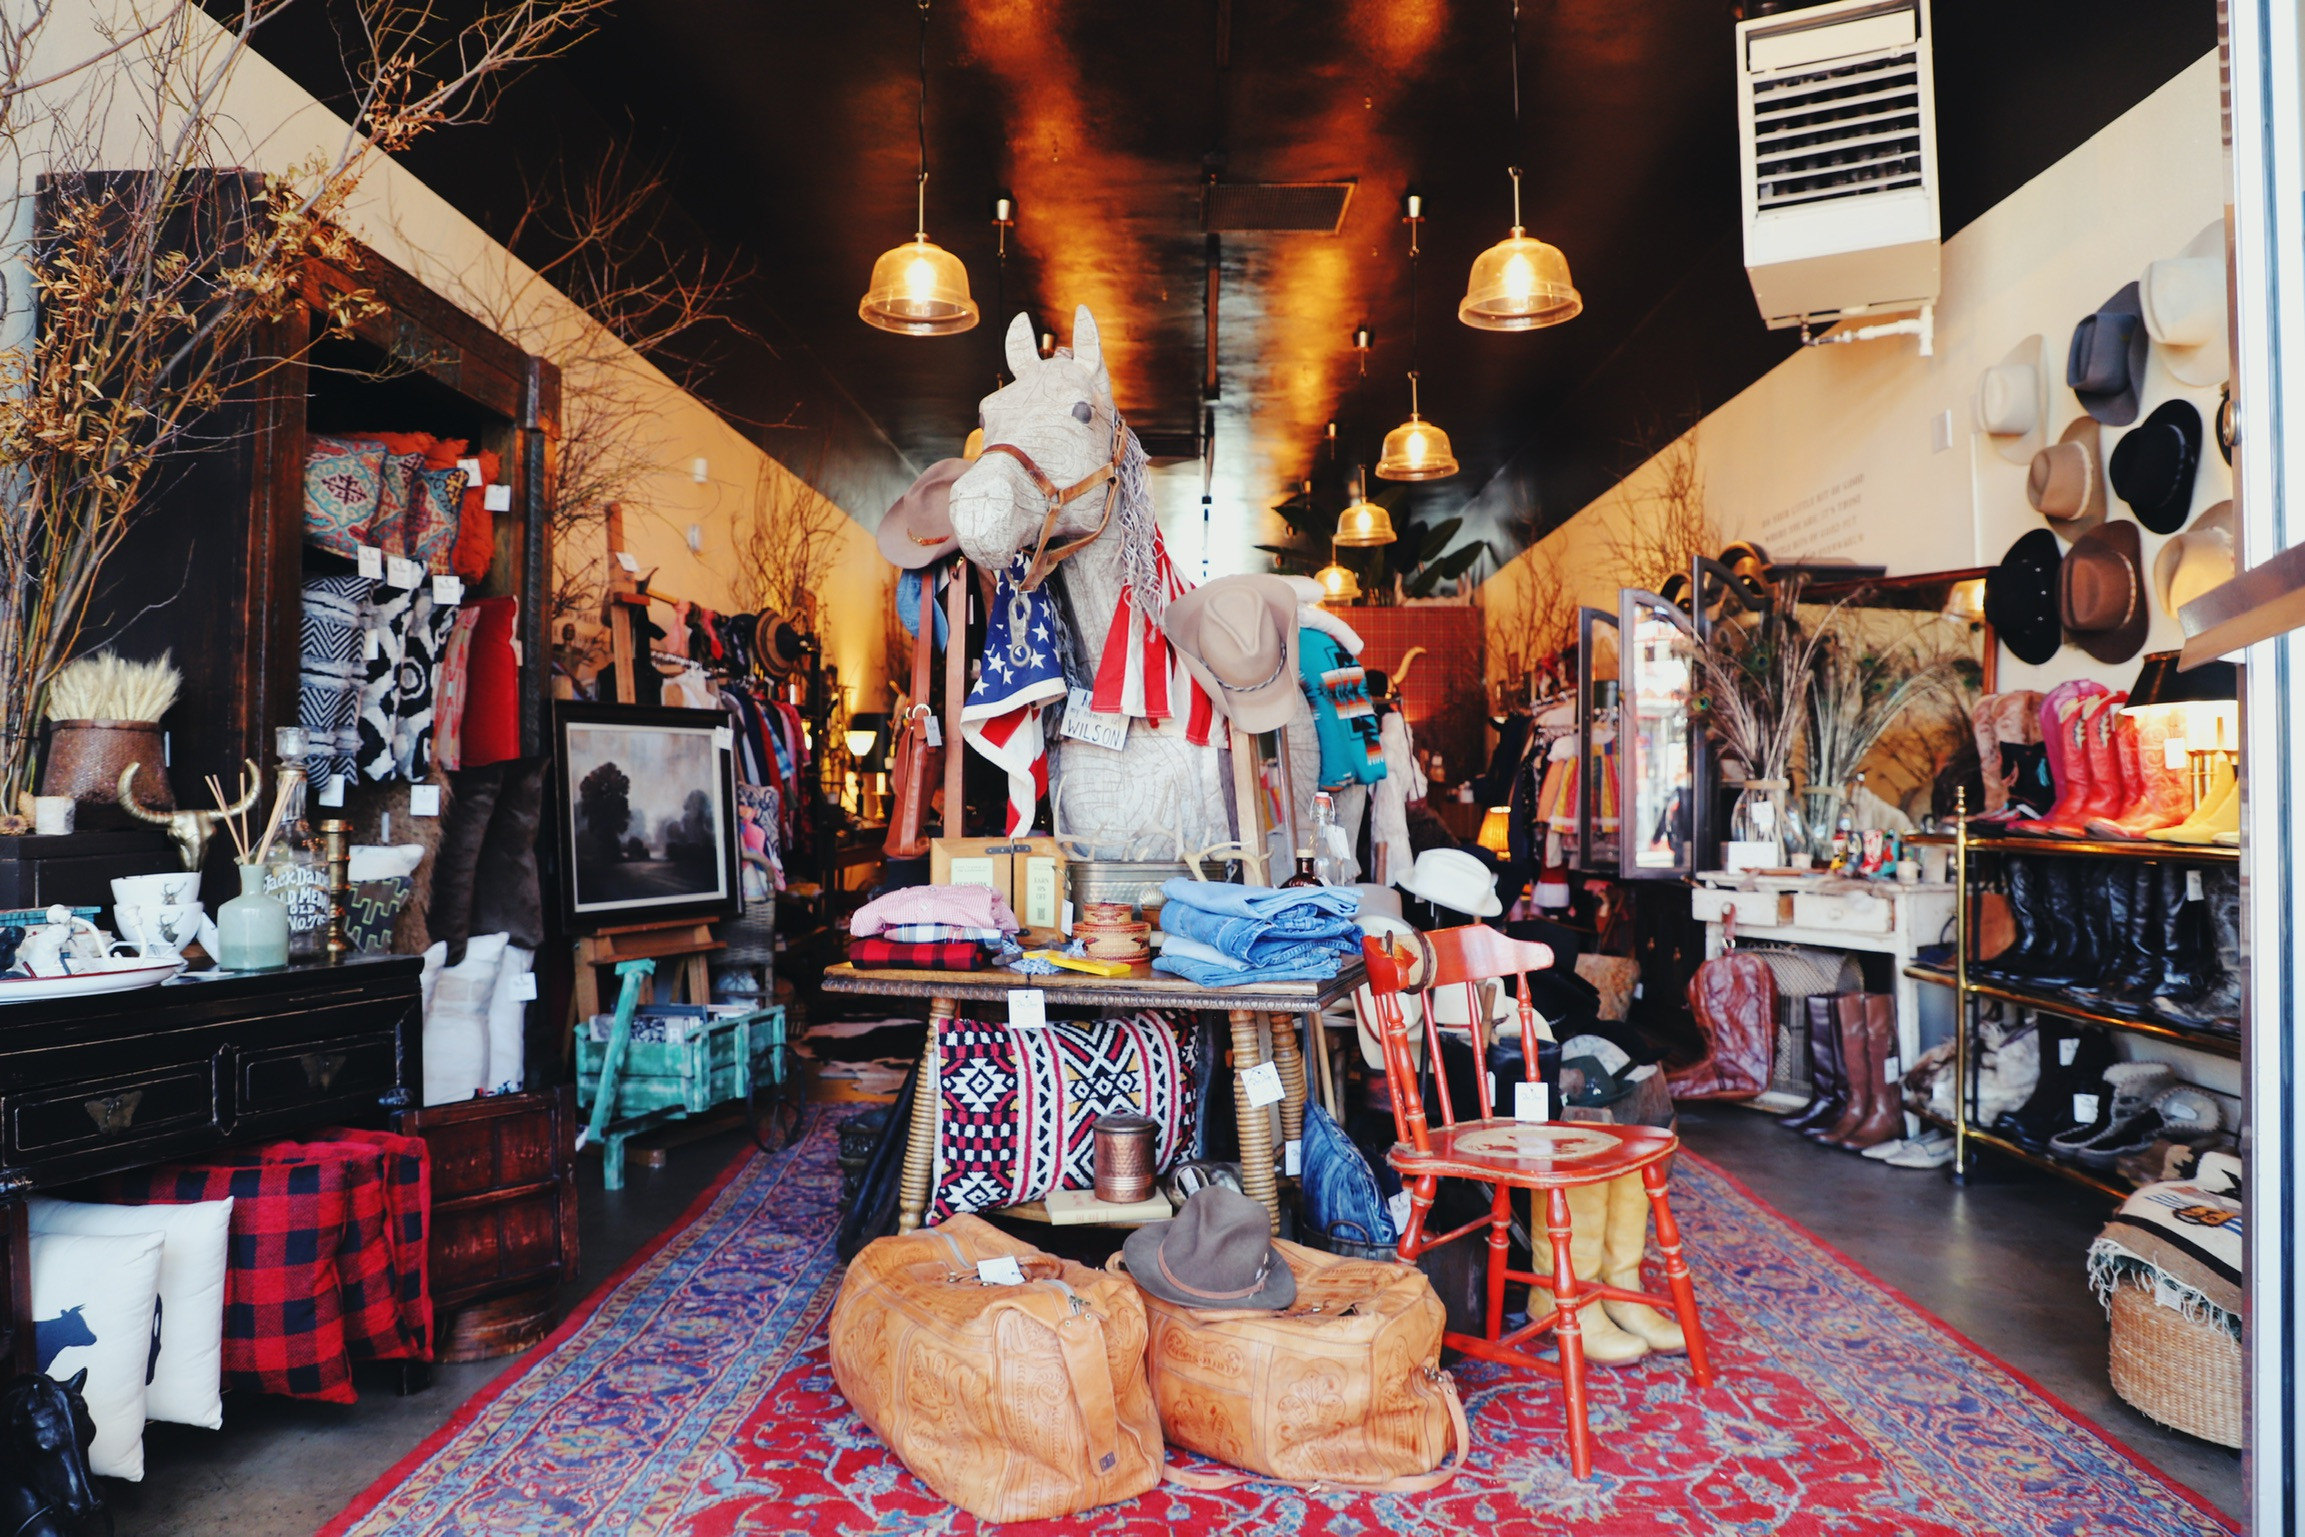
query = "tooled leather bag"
x=1342 y=1389
x=1016 y=1403
x=1734 y=996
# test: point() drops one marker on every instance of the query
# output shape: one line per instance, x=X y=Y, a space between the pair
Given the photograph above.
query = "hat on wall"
x=2021 y=598
x=1216 y=1253
x=2013 y=400
x=2154 y=465
x=917 y=530
x=778 y=646
x=2101 y=592
x=2183 y=300
x=1237 y=637
x=1454 y=879
x=2066 y=483
x=2105 y=365
x=2196 y=560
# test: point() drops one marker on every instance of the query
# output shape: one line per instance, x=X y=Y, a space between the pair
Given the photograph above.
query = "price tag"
x=1890 y=1070
x=935 y=729
x=424 y=800
x=723 y=738
x=2067 y=1050
x=1027 y=1008
x=1532 y=1102
x=1397 y=1208
x=447 y=589
x=972 y=871
x=1000 y=1270
x=1293 y=1158
x=1492 y=1088
x=2193 y=890
x=371 y=645
x=524 y=987
x=371 y=561
x=2166 y=1293
x=1083 y=723
x=497 y=498
x=624 y=560
x=332 y=790
x=1263 y=1085
x=471 y=469
x=2173 y=753
x=2084 y=1109
x=402 y=573
x=1066 y=925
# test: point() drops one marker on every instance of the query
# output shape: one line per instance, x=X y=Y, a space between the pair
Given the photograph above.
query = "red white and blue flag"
x=1019 y=676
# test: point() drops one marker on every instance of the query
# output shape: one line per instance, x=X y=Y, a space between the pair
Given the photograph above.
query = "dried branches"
x=1855 y=696
x=1756 y=679
x=1663 y=521
x=1533 y=621
x=785 y=540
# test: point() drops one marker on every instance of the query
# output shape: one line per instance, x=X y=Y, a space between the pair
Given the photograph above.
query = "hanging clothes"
x=1351 y=741
x=1389 y=798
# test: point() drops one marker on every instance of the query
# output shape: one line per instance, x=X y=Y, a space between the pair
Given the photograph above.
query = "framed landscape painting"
x=647 y=814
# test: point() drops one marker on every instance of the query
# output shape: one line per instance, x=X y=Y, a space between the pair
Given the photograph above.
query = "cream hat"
x=1237 y=636
x=2183 y=297
x=2013 y=401
x=1454 y=879
x=2196 y=560
x=2066 y=484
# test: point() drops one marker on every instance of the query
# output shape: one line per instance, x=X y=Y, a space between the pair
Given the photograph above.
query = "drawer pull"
x=321 y=1067
x=113 y=1113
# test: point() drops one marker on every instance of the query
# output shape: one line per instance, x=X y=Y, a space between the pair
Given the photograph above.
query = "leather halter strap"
x=1044 y=559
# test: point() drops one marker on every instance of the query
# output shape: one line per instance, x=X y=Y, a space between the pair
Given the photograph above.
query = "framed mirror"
x=1596 y=778
x=1661 y=771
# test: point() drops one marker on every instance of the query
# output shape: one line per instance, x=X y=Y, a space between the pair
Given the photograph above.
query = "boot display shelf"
x=2061 y=1004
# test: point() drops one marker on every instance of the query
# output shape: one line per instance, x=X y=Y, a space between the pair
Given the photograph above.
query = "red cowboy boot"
x=2110 y=788
x=2163 y=796
x=2063 y=723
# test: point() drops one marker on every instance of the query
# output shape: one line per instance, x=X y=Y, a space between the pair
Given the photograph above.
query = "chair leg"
x=1570 y=1332
x=1500 y=1255
x=1677 y=1275
x=1421 y=1191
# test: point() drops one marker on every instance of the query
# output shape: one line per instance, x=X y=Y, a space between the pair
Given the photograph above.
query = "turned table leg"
x=1256 y=1128
x=1289 y=1057
x=920 y=1146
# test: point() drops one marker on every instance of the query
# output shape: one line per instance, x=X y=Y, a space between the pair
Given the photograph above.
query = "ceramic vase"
x=252 y=928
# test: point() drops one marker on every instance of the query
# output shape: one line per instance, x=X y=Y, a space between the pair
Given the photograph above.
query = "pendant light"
x=919 y=288
x=1364 y=523
x=1338 y=584
x=1416 y=449
x=1519 y=284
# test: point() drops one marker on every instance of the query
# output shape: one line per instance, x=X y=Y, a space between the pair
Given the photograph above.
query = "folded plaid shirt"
x=938 y=933
x=948 y=955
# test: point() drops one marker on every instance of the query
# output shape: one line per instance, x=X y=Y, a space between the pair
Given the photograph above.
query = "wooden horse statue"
x=1053 y=440
x=45 y=1432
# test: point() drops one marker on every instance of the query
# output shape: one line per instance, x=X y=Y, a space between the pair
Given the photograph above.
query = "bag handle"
x=1418 y=1483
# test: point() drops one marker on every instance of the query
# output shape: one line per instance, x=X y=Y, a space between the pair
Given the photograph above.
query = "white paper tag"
x=1262 y=1083
x=1000 y=1270
x=2084 y=1109
x=424 y=800
x=524 y=987
x=974 y=870
x=723 y=738
x=1492 y=1088
x=1397 y=1208
x=2067 y=1050
x=2173 y=753
x=1027 y=1008
x=497 y=498
x=624 y=560
x=1293 y=1158
x=1532 y=1102
x=1066 y=925
x=1083 y=724
x=371 y=561
x=371 y=645
x=447 y=589
x=2166 y=1294
x=1040 y=892
x=332 y=790
x=2193 y=891
x=471 y=469
x=935 y=729
x=403 y=573
x=1890 y=1070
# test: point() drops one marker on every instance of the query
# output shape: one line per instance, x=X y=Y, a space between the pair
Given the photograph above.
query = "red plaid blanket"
x=945 y=955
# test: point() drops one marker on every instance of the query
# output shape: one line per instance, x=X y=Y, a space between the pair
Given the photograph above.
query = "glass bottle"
x=252 y=928
x=1305 y=875
x=1328 y=838
x=296 y=866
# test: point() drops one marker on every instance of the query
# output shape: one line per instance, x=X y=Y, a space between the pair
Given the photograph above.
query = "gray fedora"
x=1217 y=1253
x=2105 y=365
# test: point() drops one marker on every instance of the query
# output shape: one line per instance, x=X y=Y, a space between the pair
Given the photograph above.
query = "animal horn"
x=255 y=784
x=129 y=803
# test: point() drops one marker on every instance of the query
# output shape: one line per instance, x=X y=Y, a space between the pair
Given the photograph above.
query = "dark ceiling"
x=788 y=127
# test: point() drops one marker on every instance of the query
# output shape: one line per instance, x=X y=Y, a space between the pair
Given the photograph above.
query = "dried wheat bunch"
x=107 y=687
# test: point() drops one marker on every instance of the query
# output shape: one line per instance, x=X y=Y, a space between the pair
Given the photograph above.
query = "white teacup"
x=160 y=930
x=142 y=890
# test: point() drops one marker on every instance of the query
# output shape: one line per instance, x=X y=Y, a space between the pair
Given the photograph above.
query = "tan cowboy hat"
x=917 y=531
x=2013 y=401
x=2183 y=297
x=1237 y=637
x=1415 y=954
x=2066 y=484
x=2101 y=592
x=2196 y=560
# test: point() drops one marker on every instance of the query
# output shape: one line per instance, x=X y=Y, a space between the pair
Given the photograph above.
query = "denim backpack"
x=1340 y=1189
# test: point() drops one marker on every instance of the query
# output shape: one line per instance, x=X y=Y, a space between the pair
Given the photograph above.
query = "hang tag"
x=1532 y=1102
x=371 y=645
x=332 y=790
x=403 y=573
x=2193 y=889
x=1084 y=724
x=447 y=589
x=1000 y=1270
x=424 y=800
x=2084 y=1109
x=623 y=559
x=935 y=729
x=1492 y=1088
x=1293 y=1158
x=371 y=561
x=1397 y=1208
x=1262 y=1083
x=2067 y=1050
x=1027 y=1008
x=524 y=987
x=2166 y=1294
x=471 y=469
x=2173 y=753
x=497 y=498
x=1040 y=892
x=723 y=738
x=1889 y=1070
x=1066 y=925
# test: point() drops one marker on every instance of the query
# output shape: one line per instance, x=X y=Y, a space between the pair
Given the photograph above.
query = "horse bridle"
x=1044 y=559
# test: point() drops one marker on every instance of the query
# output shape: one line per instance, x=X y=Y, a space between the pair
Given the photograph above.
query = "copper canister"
x=1124 y=1158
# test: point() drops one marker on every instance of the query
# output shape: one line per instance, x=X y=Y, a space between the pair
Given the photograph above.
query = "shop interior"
x=907 y=767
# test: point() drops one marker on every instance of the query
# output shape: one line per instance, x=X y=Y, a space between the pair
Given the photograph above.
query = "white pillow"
x=435 y=957
x=92 y=1311
x=507 y=1024
x=456 y=1023
x=382 y=861
x=185 y=1379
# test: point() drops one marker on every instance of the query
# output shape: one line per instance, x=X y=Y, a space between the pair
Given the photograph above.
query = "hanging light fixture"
x=1519 y=284
x=919 y=288
x=1364 y=523
x=1416 y=449
x=1338 y=584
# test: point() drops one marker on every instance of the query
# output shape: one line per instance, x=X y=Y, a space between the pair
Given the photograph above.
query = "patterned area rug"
x=694 y=1398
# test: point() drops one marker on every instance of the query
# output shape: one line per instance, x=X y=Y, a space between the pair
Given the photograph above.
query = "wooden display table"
x=1141 y=988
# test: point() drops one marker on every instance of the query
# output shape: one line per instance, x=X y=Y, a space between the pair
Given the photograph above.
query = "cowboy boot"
x=2124 y=911
x=2063 y=732
x=2206 y=995
x=2164 y=800
x=1605 y=1343
x=1628 y=1242
x=2032 y=943
x=1860 y=1077
x=2108 y=789
x=2015 y=722
x=2218 y=817
x=1824 y=1067
x=1885 y=1115
x=1989 y=753
x=2064 y=902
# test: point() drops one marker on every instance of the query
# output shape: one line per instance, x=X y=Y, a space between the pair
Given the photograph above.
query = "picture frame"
x=646 y=817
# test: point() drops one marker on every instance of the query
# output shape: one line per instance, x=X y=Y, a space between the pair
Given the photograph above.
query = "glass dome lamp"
x=1338 y=584
x=1416 y=449
x=1519 y=284
x=1364 y=524
x=918 y=289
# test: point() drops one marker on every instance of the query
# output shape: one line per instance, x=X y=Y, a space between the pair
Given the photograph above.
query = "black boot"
x=2065 y=908
x=1825 y=1069
x=2215 y=1003
x=2188 y=950
x=2073 y=1060
x=2132 y=952
x=2023 y=880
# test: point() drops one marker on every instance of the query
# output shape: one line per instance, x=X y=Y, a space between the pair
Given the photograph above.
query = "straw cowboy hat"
x=2196 y=560
x=2183 y=301
x=2101 y=592
x=917 y=530
x=2105 y=365
x=2013 y=401
x=1454 y=879
x=1237 y=636
x=2066 y=483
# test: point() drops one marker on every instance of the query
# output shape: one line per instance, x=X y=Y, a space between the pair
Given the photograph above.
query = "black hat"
x=2021 y=598
x=2154 y=465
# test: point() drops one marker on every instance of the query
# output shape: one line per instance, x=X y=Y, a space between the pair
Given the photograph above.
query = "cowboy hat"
x=2066 y=483
x=2154 y=465
x=2021 y=598
x=1237 y=636
x=1595 y=1072
x=2183 y=301
x=2013 y=400
x=2101 y=592
x=2196 y=560
x=1414 y=953
x=1216 y=1253
x=1454 y=879
x=2105 y=365
x=917 y=530
x=778 y=646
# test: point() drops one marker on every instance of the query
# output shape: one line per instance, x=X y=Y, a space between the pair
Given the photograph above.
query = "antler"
x=133 y=807
x=255 y=784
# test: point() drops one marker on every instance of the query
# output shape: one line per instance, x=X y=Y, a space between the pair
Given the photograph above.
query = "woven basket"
x=2183 y=1372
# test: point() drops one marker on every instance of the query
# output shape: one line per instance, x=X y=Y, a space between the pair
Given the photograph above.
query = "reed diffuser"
x=252 y=928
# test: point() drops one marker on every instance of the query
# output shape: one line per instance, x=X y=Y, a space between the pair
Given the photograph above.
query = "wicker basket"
x=2183 y=1372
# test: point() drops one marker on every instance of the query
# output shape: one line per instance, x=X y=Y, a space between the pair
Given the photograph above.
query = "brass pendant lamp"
x=1364 y=524
x=1519 y=284
x=1416 y=449
x=1338 y=584
x=919 y=288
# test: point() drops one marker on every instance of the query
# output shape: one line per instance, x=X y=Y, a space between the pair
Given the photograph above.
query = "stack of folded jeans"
x=1220 y=935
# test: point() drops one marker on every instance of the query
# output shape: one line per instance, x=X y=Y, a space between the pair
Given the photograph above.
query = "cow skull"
x=189 y=830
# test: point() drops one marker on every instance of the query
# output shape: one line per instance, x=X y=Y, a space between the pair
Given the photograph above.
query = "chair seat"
x=1536 y=1154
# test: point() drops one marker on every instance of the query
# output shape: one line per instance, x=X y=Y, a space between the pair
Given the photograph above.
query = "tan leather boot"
x=1605 y=1343
x=1628 y=1240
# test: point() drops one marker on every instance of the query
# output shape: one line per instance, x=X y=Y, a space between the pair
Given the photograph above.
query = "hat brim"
x=2019 y=447
x=2212 y=533
x=2021 y=598
x=1261 y=707
x=1141 y=1253
x=2125 y=640
x=1489 y=908
x=2211 y=362
x=2083 y=430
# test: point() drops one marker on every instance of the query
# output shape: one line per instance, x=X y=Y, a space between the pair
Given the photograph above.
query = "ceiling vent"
x=1837 y=147
x=1301 y=207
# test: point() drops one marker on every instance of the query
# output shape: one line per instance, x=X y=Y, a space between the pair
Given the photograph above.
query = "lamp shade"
x=1364 y=523
x=1416 y=450
x=918 y=289
x=1338 y=584
x=1519 y=284
x=2159 y=682
x=1496 y=830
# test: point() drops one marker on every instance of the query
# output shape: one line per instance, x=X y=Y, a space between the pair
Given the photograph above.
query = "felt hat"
x=2105 y=364
x=1237 y=636
x=1454 y=879
x=1216 y=1253
x=777 y=646
x=2196 y=560
x=2183 y=301
x=2101 y=592
x=1595 y=1072
x=2013 y=401
x=917 y=530
x=2155 y=463
x=2021 y=598
x=2066 y=483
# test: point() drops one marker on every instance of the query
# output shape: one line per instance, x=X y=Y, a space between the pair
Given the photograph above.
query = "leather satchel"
x=919 y=768
x=1341 y=1389
x=1734 y=996
x=1014 y=1402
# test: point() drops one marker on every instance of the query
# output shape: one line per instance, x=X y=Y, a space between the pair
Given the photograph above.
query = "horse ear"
x=78 y=1381
x=1087 y=347
x=1023 y=351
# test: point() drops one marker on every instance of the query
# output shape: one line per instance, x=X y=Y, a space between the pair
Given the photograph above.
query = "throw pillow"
x=390 y=532
x=92 y=1300
x=185 y=1379
x=436 y=504
x=1020 y=1106
x=491 y=725
x=508 y=1024
x=343 y=488
x=476 y=526
x=407 y=1166
x=456 y=1024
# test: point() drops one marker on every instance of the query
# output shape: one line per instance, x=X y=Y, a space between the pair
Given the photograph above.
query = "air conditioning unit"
x=1837 y=146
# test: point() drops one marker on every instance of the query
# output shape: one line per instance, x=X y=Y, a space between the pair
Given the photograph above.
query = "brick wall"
x=1446 y=696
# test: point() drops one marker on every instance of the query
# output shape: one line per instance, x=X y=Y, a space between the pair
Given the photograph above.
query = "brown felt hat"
x=1217 y=1253
x=2101 y=599
x=2066 y=484
x=917 y=530
x=1237 y=636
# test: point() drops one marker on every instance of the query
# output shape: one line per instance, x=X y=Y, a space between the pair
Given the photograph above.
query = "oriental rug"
x=691 y=1397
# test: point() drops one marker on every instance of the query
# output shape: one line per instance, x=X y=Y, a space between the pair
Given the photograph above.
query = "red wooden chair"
x=1510 y=1155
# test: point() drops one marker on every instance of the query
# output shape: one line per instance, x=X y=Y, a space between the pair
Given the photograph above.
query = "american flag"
x=1020 y=674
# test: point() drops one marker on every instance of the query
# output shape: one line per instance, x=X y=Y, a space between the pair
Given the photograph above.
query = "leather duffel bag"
x=1341 y=1389
x=1015 y=1402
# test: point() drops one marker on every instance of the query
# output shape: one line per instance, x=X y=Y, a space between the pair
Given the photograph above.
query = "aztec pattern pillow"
x=343 y=489
x=1019 y=1107
x=436 y=508
x=403 y=476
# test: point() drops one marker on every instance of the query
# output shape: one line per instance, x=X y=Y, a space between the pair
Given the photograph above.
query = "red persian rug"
x=691 y=1396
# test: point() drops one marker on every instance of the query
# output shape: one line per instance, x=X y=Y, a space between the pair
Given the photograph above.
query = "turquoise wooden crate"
x=725 y=1060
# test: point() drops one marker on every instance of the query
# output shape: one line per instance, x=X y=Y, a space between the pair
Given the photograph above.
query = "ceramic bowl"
x=176 y=886
x=160 y=930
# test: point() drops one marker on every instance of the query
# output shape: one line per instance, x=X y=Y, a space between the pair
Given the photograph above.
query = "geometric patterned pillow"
x=402 y=477
x=435 y=510
x=1020 y=1107
x=343 y=487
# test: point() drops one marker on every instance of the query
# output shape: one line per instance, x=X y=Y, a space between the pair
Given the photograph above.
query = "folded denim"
x=1259 y=941
x=1193 y=950
x=1203 y=974
x=1266 y=902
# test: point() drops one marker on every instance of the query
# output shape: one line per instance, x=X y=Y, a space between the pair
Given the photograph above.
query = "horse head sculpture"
x=189 y=829
x=45 y=1486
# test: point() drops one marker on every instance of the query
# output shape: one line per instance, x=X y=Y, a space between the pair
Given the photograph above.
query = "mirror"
x=1657 y=749
x=1595 y=847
